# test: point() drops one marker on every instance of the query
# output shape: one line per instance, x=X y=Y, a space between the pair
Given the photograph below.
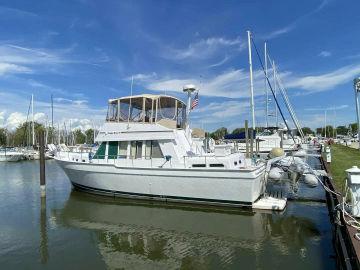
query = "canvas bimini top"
x=147 y=108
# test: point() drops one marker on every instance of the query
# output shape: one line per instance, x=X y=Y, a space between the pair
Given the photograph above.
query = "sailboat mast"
x=52 y=119
x=32 y=119
x=276 y=109
x=251 y=82
x=266 y=88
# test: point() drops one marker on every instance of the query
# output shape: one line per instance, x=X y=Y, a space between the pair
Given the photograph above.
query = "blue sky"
x=85 y=52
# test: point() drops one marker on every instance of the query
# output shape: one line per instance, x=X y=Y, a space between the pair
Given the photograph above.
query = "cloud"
x=339 y=107
x=64 y=110
x=291 y=26
x=6 y=12
x=12 y=68
x=232 y=83
x=205 y=48
x=324 y=54
x=223 y=61
x=323 y=82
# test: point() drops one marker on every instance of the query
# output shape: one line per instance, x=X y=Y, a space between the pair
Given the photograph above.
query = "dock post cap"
x=353 y=169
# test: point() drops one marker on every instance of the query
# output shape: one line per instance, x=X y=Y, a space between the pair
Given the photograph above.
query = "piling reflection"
x=143 y=236
x=43 y=232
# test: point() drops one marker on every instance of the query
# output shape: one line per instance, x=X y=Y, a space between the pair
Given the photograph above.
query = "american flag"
x=195 y=101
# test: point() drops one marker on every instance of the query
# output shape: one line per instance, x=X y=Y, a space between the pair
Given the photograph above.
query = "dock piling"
x=42 y=165
x=247 y=138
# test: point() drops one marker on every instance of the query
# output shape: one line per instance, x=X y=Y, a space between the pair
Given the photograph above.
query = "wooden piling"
x=247 y=138
x=42 y=164
x=251 y=142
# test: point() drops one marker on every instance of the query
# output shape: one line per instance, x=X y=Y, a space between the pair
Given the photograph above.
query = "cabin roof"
x=150 y=96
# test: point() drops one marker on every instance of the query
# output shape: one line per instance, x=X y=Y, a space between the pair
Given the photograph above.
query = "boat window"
x=148 y=149
x=156 y=150
x=136 y=149
x=216 y=165
x=198 y=165
x=100 y=153
x=113 y=150
x=123 y=149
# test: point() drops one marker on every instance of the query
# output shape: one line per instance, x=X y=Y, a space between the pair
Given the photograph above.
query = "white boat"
x=146 y=152
x=269 y=139
x=10 y=155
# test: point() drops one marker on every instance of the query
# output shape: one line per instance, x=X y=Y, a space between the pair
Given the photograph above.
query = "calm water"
x=72 y=230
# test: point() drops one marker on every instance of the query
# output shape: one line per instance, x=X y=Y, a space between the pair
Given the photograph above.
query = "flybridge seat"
x=162 y=109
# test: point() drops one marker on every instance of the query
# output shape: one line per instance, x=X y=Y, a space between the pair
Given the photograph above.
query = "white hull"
x=10 y=157
x=207 y=186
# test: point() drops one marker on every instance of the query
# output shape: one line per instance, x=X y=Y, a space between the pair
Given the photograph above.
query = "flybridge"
x=166 y=110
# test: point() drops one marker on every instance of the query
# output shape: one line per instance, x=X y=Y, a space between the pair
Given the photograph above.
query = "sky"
x=84 y=52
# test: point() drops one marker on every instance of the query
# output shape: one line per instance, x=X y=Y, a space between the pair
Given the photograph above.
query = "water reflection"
x=143 y=236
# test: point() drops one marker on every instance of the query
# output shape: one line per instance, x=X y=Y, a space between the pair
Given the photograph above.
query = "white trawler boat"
x=146 y=151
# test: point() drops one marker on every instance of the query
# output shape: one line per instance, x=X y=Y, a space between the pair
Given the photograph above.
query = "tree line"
x=22 y=135
x=330 y=131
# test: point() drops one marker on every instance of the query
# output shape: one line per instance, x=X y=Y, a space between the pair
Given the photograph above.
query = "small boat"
x=10 y=154
x=146 y=151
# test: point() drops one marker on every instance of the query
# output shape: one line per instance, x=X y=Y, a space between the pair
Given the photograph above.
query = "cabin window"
x=123 y=149
x=216 y=165
x=113 y=150
x=136 y=149
x=156 y=150
x=198 y=165
x=148 y=149
x=100 y=153
x=153 y=150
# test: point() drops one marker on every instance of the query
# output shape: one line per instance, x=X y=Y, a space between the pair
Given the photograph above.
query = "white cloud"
x=291 y=26
x=338 y=107
x=63 y=111
x=205 y=48
x=231 y=84
x=325 y=54
x=323 y=82
x=12 y=68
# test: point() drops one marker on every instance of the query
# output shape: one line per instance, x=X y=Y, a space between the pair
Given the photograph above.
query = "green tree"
x=353 y=127
x=22 y=136
x=307 y=130
x=3 y=136
x=219 y=133
x=89 y=136
x=238 y=130
x=79 y=136
x=342 y=130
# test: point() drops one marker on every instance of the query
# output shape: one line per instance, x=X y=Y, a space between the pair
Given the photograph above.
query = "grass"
x=342 y=158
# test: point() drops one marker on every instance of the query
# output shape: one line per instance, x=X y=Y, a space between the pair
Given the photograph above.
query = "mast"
x=32 y=119
x=325 y=124
x=251 y=83
x=52 y=119
x=276 y=109
x=266 y=88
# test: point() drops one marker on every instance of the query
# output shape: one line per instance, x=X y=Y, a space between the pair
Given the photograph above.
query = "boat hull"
x=10 y=157
x=226 y=187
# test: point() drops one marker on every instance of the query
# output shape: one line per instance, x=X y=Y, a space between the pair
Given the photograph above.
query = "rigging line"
x=286 y=98
x=272 y=91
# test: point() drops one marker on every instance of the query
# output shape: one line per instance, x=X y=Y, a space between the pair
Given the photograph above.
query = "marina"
x=179 y=135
